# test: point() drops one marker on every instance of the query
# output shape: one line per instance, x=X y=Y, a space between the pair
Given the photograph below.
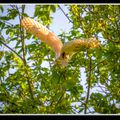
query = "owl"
x=63 y=52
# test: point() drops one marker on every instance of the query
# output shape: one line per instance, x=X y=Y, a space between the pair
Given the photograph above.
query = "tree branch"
x=89 y=85
x=24 y=53
x=11 y=50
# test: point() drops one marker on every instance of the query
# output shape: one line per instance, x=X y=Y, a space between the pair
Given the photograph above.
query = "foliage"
x=28 y=86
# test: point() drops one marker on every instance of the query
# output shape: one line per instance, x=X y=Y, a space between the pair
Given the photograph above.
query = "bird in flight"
x=63 y=52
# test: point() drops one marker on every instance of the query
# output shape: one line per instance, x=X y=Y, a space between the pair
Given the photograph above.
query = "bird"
x=63 y=52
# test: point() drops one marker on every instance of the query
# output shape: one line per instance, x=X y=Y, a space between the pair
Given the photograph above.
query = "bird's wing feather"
x=74 y=46
x=43 y=33
x=79 y=44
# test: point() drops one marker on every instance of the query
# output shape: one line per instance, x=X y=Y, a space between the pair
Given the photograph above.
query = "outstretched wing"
x=43 y=34
x=79 y=44
x=70 y=48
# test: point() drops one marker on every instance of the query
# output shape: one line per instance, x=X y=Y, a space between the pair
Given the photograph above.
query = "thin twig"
x=103 y=91
x=8 y=23
x=65 y=14
x=11 y=50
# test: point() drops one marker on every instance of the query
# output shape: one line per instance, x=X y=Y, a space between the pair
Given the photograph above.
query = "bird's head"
x=63 y=59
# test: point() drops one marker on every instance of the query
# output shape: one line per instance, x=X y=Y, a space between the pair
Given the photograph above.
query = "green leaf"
x=34 y=84
x=1 y=8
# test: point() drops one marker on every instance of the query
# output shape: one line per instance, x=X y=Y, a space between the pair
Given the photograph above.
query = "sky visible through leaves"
x=61 y=24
